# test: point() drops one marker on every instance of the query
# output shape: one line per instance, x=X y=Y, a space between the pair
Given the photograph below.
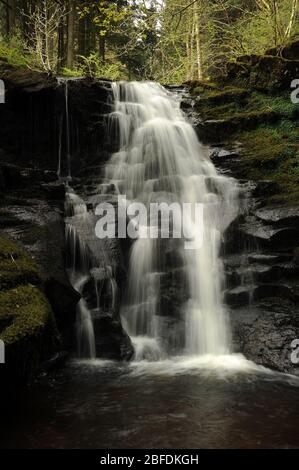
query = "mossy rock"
x=16 y=267
x=272 y=71
x=219 y=97
x=272 y=152
x=28 y=331
x=27 y=311
x=197 y=87
x=212 y=130
x=27 y=324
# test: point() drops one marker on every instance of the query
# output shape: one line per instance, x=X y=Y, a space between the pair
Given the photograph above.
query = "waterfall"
x=161 y=159
x=79 y=270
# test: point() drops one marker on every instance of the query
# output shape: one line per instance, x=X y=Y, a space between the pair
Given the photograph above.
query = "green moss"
x=267 y=126
x=15 y=266
x=28 y=329
x=27 y=311
x=13 y=54
x=233 y=101
x=281 y=104
x=200 y=86
x=271 y=152
x=27 y=324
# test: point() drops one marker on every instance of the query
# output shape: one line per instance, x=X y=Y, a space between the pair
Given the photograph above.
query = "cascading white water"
x=160 y=159
x=79 y=272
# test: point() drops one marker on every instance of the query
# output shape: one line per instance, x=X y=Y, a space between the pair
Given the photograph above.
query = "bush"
x=14 y=54
x=93 y=66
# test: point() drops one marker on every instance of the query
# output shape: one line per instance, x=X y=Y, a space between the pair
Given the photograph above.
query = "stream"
x=186 y=403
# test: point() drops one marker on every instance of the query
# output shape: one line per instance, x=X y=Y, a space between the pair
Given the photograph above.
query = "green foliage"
x=71 y=73
x=202 y=37
x=14 y=54
x=106 y=15
x=93 y=66
x=281 y=104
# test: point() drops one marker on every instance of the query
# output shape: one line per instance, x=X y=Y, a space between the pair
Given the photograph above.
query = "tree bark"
x=11 y=12
x=70 y=34
x=292 y=19
x=102 y=48
x=61 y=52
x=198 y=44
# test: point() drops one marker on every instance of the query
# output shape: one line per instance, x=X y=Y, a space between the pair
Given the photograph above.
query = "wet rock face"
x=33 y=121
x=264 y=332
x=49 y=127
x=112 y=342
x=262 y=277
x=32 y=215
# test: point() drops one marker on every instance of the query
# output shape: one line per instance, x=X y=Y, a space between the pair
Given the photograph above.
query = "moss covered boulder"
x=27 y=324
x=16 y=267
x=273 y=71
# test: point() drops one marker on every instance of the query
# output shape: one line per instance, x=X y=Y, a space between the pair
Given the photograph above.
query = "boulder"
x=112 y=342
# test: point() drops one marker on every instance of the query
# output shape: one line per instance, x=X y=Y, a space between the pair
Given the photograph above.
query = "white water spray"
x=160 y=159
x=76 y=211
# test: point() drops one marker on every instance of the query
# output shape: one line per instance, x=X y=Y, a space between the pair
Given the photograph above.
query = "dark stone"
x=255 y=234
x=265 y=189
x=58 y=360
x=112 y=342
x=63 y=299
x=54 y=190
x=167 y=307
x=186 y=104
x=273 y=290
x=280 y=216
x=34 y=118
x=268 y=259
x=220 y=155
x=238 y=296
x=264 y=333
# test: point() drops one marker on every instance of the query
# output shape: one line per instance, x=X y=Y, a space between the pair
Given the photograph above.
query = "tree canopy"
x=165 y=40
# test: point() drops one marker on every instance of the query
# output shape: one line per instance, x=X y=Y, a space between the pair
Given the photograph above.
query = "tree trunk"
x=11 y=16
x=82 y=37
x=102 y=48
x=198 y=44
x=70 y=34
x=292 y=19
x=192 y=49
x=61 y=54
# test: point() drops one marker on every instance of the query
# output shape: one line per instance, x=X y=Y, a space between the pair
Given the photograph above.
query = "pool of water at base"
x=184 y=403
